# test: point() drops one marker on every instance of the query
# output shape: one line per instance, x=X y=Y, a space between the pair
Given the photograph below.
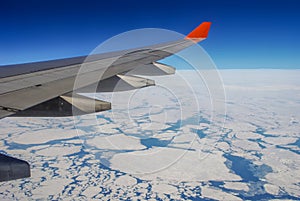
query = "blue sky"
x=244 y=33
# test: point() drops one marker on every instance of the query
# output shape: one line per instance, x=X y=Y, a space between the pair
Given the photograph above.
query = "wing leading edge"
x=46 y=88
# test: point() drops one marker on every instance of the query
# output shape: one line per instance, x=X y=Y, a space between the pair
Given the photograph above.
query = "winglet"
x=200 y=33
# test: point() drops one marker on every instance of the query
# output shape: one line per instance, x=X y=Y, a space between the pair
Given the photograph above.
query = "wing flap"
x=85 y=104
x=153 y=69
x=118 y=83
x=65 y=106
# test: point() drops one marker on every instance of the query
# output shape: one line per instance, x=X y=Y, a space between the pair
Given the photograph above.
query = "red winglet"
x=201 y=32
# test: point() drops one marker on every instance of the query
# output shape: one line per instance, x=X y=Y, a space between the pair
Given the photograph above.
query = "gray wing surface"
x=27 y=85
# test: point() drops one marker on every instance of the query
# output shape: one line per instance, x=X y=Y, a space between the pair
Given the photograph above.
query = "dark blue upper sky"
x=244 y=33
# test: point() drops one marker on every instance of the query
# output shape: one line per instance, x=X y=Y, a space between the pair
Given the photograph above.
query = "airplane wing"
x=47 y=88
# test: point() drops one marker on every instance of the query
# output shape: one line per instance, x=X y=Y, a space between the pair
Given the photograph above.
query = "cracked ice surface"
x=155 y=152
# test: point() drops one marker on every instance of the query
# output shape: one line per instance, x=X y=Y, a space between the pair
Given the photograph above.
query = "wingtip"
x=201 y=32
